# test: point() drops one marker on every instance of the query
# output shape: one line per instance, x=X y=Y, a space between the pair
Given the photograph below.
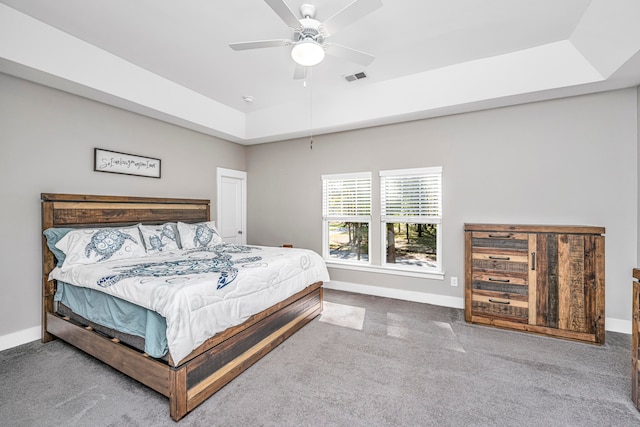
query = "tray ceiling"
x=171 y=60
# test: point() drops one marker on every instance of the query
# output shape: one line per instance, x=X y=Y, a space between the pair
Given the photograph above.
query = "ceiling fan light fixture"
x=307 y=52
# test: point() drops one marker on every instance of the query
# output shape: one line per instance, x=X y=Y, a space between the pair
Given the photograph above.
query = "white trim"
x=411 y=219
x=398 y=271
x=617 y=325
x=24 y=336
x=412 y=172
x=347 y=175
x=231 y=173
x=611 y=324
x=379 y=291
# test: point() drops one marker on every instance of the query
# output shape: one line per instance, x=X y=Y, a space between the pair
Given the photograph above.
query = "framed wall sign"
x=128 y=164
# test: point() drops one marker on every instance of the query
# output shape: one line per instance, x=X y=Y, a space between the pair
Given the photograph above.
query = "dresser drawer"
x=500 y=240
x=500 y=263
x=502 y=243
x=500 y=252
x=513 y=306
x=499 y=281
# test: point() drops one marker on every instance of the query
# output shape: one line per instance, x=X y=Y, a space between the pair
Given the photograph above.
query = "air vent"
x=357 y=76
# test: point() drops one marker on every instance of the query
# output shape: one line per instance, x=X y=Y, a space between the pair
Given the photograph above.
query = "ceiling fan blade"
x=259 y=44
x=286 y=14
x=349 y=15
x=300 y=72
x=349 y=54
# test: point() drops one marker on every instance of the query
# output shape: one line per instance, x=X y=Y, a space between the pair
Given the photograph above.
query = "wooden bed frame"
x=209 y=367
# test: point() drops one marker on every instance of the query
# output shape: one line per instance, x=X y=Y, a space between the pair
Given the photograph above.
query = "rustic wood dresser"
x=635 y=337
x=536 y=278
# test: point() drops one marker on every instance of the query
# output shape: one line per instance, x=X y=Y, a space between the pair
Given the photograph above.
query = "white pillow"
x=91 y=245
x=198 y=235
x=160 y=238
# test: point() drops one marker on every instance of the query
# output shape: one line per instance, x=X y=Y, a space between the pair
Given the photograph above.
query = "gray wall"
x=570 y=161
x=47 y=139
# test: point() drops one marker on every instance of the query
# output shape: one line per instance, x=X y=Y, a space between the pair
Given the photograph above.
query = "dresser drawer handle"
x=499 y=302
x=501 y=258
x=501 y=236
x=493 y=279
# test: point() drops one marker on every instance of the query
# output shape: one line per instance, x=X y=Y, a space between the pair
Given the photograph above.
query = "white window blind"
x=346 y=196
x=411 y=195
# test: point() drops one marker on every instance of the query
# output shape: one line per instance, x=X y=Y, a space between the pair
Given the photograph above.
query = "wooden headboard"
x=77 y=210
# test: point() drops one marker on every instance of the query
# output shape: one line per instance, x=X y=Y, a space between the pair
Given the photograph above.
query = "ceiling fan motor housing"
x=310 y=30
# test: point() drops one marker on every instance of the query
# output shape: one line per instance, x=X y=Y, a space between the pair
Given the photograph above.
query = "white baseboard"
x=617 y=325
x=611 y=324
x=18 y=338
x=379 y=291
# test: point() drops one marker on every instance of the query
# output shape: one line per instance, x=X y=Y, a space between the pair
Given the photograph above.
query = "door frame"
x=241 y=175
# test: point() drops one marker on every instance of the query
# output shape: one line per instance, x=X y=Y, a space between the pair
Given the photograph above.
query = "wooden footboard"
x=212 y=369
x=209 y=367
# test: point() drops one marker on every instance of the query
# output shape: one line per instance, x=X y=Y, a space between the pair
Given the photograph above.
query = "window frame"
x=328 y=218
x=429 y=218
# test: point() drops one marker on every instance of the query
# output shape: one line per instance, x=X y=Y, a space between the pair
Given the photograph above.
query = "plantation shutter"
x=346 y=197
x=411 y=195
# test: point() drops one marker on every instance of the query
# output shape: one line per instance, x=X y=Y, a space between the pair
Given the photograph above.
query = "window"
x=411 y=218
x=346 y=217
x=408 y=240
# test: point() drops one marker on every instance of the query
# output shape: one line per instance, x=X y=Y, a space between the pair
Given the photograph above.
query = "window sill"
x=437 y=275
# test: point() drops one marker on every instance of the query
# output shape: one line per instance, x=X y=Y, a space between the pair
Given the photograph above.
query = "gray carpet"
x=368 y=361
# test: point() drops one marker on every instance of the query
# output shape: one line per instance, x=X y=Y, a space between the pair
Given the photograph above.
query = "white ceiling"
x=170 y=59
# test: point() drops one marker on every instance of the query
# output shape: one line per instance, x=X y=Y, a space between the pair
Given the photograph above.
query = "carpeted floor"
x=368 y=361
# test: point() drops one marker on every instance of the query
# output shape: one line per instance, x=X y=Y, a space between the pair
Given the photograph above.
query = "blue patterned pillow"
x=87 y=246
x=198 y=235
x=160 y=238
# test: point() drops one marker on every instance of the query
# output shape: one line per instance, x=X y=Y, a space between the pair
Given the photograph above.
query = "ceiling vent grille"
x=357 y=76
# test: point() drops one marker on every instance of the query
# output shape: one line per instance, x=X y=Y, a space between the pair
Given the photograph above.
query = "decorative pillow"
x=53 y=236
x=86 y=246
x=159 y=238
x=198 y=235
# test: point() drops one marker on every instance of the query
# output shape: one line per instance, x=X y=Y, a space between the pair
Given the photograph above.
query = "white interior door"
x=232 y=205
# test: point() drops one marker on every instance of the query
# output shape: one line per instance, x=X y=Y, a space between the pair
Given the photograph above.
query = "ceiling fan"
x=308 y=39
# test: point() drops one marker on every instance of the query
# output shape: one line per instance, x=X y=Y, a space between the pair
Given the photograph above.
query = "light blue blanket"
x=118 y=314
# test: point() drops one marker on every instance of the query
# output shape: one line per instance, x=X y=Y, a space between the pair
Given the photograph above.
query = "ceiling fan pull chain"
x=310 y=76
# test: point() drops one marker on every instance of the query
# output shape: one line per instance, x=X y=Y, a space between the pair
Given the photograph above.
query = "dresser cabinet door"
x=566 y=288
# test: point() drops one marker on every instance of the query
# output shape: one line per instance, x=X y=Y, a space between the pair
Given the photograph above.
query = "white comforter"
x=201 y=292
